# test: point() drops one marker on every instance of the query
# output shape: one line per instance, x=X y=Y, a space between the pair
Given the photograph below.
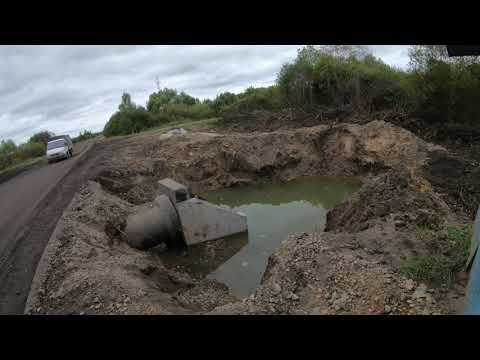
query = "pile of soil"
x=394 y=194
x=457 y=179
x=209 y=161
x=352 y=268
x=92 y=270
x=340 y=274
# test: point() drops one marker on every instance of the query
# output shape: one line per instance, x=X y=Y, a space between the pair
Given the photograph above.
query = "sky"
x=68 y=89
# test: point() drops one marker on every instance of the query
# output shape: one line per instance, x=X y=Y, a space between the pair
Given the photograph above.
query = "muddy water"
x=273 y=212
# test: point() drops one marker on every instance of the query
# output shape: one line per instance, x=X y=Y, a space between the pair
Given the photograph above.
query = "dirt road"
x=31 y=204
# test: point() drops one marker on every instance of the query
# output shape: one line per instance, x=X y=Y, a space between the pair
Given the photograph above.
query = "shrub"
x=20 y=153
x=30 y=150
x=320 y=78
x=85 y=135
x=184 y=111
x=449 y=252
x=130 y=121
x=41 y=137
x=7 y=146
x=253 y=99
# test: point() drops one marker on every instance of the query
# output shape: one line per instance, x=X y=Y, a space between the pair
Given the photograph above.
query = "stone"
x=420 y=292
x=409 y=284
x=276 y=288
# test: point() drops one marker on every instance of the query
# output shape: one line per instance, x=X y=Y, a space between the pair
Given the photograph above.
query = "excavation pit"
x=273 y=211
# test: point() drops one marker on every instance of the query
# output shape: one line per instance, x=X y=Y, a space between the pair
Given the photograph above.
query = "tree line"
x=441 y=93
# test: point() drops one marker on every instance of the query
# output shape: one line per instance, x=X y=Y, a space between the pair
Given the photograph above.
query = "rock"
x=387 y=309
x=409 y=284
x=420 y=292
x=276 y=288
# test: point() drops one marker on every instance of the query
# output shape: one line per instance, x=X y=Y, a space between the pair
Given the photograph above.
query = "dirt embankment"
x=352 y=268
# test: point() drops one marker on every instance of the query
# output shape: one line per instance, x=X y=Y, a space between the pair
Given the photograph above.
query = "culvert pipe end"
x=154 y=224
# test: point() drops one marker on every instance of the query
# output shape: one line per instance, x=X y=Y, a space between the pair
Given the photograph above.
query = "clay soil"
x=352 y=268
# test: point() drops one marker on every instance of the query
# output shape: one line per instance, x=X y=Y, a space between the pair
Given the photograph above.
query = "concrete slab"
x=175 y=191
x=202 y=221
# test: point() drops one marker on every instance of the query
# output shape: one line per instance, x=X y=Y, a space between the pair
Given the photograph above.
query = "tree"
x=159 y=99
x=41 y=137
x=222 y=100
x=421 y=56
x=7 y=146
x=127 y=103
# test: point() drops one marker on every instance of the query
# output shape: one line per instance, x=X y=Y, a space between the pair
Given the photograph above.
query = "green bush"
x=7 y=146
x=41 y=137
x=448 y=255
x=131 y=121
x=183 y=111
x=20 y=153
x=253 y=99
x=320 y=78
x=85 y=135
x=166 y=97
x=223 y=100
x=30 y=150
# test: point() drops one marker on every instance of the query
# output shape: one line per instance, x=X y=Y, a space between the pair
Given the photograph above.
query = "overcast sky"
x=66 y=89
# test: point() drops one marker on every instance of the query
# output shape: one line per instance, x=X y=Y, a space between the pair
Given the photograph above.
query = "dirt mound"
x=395 y=194
x=335 y=274
x=94 y=271
x=457 y=179
x=211 y=161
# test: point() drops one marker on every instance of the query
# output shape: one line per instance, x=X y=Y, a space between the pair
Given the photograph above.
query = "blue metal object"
x=472 y=301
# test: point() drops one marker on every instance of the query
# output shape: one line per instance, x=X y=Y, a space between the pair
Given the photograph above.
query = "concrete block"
x=175 y=191
x=203 y=221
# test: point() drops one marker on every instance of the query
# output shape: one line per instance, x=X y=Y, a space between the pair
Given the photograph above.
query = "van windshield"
x=56 y=144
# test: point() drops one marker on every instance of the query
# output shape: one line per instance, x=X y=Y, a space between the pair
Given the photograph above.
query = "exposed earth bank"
x=353 y=268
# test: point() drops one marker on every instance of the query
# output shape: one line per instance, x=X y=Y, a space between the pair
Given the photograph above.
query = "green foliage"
x=223 y=100
x=126 y=104
x=41 y=137
x=319 y=77
x=30 y=150
x=449 y=250
x=447 y=91
x=7 y=146
x=85 y=135
x=181 y=111
x=10 y=154
x=163 y=106
x=163 y=98
x=263 y=98
x=131 y=121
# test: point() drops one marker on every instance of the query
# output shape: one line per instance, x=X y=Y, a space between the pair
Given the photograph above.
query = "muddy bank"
x=341 y=274
x=207 y=161
x=370 y=235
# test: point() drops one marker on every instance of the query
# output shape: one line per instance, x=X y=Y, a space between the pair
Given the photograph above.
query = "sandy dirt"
x=351 y=269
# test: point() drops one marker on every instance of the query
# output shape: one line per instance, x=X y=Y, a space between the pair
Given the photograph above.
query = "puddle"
x=273 y=211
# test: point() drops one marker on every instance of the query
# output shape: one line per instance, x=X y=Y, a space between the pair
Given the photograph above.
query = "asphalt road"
x=30 y=205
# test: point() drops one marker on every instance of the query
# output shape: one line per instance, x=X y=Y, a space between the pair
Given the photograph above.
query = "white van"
x=59 y=147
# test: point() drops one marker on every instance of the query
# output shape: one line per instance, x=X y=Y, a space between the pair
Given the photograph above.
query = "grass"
x=449 y=249
x=23 y=163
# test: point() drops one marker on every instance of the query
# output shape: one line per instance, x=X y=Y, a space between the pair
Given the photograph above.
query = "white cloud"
x=66 y=89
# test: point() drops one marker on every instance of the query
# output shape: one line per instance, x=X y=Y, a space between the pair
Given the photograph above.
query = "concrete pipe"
x=154 y=224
